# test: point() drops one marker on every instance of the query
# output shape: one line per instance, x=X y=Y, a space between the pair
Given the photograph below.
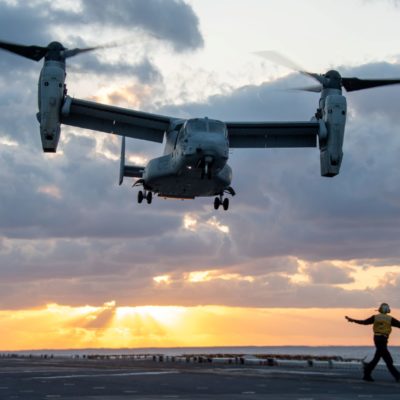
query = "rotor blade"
x=314 y=89
x=352 y=84
x=280 y=59
x=74 y=52
x=35 y=53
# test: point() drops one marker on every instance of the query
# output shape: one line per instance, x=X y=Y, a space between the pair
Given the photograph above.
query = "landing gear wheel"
x=217 y=203
x=225 y=204
x=140 y=196
x=149 y=197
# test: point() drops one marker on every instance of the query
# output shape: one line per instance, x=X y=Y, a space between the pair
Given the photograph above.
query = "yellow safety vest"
x=382 y=324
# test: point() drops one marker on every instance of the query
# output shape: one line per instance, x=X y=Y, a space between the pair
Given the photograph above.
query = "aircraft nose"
x=213 y=152
x=212 y=146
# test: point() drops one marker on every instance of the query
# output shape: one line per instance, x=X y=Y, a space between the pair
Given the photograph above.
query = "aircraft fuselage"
x=194 y=161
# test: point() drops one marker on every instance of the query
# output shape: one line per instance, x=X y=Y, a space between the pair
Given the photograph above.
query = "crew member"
x=382 y=326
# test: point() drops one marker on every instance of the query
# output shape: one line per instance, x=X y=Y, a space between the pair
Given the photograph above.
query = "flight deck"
x=157 y=378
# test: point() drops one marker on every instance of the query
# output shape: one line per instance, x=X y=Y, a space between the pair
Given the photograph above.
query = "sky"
x=83 y=265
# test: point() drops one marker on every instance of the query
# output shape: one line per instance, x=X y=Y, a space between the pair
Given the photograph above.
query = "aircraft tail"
x=128 y=170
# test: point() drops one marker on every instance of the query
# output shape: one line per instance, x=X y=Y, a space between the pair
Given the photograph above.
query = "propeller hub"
x=332 y=80
x=55 y=46
x=55 y=52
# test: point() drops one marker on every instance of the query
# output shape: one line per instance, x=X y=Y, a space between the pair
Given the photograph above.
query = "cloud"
x=144 y=71
x=324 y=273
x=13 y=16
x=174 y=20
x=377 y=102
x=155 y=17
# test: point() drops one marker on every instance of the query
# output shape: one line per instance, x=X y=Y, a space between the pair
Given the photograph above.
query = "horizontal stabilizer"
x=131 y=171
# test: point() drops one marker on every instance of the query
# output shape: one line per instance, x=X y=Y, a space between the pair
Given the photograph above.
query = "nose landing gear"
x=206 y=167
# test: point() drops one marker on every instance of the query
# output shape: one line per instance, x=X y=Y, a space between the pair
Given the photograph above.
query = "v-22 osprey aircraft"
x=194 y=162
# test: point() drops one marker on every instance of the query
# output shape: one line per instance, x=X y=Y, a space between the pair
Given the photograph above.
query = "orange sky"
x=61 y=327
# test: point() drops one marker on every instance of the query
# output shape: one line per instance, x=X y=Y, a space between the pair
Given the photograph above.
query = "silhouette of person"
x=382 y=327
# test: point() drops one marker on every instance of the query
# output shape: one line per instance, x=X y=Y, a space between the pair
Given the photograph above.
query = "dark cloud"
x=173 y=21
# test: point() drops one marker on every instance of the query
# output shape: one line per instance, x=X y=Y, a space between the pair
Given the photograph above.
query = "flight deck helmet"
x=384 y=308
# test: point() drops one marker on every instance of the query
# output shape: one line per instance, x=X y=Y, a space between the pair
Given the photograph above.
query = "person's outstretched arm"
x=368 y=321
x=395 y=323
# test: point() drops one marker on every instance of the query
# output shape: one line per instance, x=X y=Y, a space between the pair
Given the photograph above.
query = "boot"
x=367 y=375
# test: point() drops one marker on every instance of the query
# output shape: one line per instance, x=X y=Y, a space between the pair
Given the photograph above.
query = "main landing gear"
x=144 y=195
x=221 y=201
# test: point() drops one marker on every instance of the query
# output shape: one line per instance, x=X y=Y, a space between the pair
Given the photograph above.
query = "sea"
x=345 y=352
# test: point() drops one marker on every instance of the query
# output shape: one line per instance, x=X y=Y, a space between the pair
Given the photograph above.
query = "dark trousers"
x=381 y=351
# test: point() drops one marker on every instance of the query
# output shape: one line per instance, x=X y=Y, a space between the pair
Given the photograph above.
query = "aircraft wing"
x=272 y=134
x=111 y=119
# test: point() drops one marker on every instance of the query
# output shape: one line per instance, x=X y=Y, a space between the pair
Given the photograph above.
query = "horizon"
x=152 y=350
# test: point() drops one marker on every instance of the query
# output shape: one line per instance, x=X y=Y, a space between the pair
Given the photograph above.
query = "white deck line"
x=105 y=375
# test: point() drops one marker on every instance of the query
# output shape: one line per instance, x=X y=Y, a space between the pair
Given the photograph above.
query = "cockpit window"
x=205 y=125
x=197 y=125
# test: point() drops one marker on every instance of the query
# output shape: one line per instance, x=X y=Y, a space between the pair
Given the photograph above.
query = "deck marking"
x=104 y=375
x=277 y=371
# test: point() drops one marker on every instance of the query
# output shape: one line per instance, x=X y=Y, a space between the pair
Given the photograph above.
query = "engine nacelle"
x=51 y=95
x=331 y=138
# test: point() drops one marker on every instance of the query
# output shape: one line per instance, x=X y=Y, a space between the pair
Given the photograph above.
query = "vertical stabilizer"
x=132 y=171
x=122 y=161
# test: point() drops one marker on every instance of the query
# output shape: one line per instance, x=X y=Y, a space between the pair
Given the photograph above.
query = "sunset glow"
x=62 y=327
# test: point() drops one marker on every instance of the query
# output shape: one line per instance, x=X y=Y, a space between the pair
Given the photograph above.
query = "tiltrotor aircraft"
x=196 y=150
